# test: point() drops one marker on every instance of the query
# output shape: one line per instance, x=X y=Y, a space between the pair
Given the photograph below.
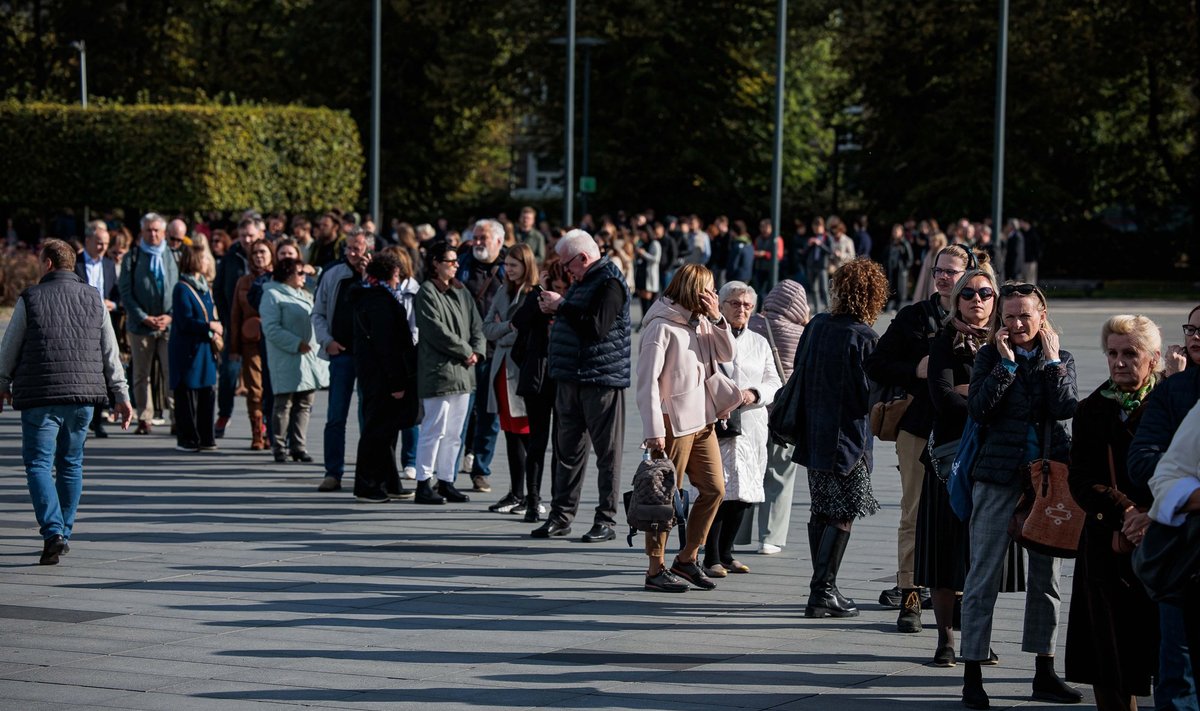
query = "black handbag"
x=1168 y=560
x=786 y=419
x=731 y=426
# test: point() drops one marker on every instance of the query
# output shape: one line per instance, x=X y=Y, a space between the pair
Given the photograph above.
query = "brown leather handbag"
x=1120 y=542
x=1047 y=520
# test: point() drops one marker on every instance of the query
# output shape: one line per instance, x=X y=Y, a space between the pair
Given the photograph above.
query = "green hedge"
x=179 y=156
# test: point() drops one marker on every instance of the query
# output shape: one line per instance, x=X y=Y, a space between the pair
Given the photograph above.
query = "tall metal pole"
x=777 y=163
x=376 y=75
x=83 y=73
x=587 y=111
x=998 y=158
x=569 y=148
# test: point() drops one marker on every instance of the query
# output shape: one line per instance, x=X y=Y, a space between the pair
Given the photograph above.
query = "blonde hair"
x=998 y=314
x=686 y=286
x=1143 y=333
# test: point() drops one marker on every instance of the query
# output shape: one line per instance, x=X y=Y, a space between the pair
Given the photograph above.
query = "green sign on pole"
x=587 y=184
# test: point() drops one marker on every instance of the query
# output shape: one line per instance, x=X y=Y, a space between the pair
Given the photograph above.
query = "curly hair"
x=860 y=289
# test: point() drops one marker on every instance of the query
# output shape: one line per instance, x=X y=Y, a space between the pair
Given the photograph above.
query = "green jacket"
x=451 y=330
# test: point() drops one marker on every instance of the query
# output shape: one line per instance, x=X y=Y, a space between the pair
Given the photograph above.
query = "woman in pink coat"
x=683 y=336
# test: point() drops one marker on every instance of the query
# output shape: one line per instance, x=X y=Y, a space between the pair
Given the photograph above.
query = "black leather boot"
x=826 y=600
x=973 y=695
x=910 y=611
x=426 y=494
x=1047 y=686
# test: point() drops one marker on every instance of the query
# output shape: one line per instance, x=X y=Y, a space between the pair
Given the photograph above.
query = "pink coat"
x=673 y=363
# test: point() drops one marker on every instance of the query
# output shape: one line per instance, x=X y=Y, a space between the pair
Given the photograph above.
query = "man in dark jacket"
x=96 y=268
x=590 y=359
x=481 y=271
x=234 y=265
x=56 y=386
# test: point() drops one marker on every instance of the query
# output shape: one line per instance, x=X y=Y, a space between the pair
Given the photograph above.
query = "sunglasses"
x=448 y=261
x=985 y=293
x=1022 y=289
x=1189 y=330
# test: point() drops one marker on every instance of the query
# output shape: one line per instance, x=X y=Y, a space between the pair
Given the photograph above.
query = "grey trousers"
x=993 y=506
x=587 y=414
x=289 y=420
x=775 y=513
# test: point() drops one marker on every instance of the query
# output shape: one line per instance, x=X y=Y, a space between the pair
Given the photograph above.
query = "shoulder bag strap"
x=774 y=348
x=200 y=301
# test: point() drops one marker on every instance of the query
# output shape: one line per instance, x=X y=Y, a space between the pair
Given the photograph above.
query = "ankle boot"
x=1048 y=687
x=256 y=430
x=426 y=495
x=910 y=611
x=973 y=695
x=825 y=600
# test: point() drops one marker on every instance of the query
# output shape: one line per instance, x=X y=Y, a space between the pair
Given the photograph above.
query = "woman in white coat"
x=743 y=437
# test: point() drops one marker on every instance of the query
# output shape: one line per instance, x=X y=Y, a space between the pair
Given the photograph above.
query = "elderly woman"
x=296 y=372
x=942 y=554
x=834 y=437
x=1112 y=632
x=1022 y=385
x=451 y=344
x=684 y=336
x=245 y=334
x=782 y=320
x=193 y=364
x=520 y=277
x=744 y=447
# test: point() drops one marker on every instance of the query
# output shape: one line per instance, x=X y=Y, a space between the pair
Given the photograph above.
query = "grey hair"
x=150 y=218
x=425 y=230
x=575 y=243
x=95 y=226
x=368 y=237
x=494 y=229
x=736 y=288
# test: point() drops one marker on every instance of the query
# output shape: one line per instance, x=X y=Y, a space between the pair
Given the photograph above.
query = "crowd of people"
x=450 y=338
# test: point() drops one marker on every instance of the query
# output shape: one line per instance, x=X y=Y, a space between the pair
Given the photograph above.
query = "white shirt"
x=95 y=272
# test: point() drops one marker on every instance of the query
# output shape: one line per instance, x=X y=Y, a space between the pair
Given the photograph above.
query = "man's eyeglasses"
x=572 y=259
x=984 y=292
x=940 y=272
x=1190 y=331
x=1022 y=289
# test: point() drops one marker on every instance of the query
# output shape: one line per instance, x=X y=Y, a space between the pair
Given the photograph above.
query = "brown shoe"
x=143 y=427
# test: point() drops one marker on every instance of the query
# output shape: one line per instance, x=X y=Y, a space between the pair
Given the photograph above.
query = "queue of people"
x=485 y=337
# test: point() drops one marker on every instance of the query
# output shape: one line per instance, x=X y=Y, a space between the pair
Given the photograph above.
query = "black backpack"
x=651 y=505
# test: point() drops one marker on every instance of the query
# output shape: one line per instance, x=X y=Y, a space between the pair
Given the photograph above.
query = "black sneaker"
x=507 y=504
x=944 y=656
x=693 y=574
x=665 y=581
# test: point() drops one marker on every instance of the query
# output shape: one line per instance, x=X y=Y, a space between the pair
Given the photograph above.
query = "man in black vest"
x=589 y=357
x=59 y=360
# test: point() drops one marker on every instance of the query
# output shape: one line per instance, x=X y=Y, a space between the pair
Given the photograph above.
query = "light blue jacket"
x=286 y=315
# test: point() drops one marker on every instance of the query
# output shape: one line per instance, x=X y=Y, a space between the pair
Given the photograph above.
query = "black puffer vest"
x=605 y=362
x=61 y=362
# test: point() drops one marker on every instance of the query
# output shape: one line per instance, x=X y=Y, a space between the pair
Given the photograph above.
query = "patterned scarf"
x=968 y=338
x=1129 y=402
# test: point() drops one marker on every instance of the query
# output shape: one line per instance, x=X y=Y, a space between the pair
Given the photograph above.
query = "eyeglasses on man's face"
x=942 y=272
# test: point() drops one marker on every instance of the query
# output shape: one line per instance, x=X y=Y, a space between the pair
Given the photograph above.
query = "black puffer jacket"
x=1166 y=407
x=1011 y=405
x=895 y=360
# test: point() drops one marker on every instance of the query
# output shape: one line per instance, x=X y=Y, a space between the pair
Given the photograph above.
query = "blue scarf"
x=156 y=262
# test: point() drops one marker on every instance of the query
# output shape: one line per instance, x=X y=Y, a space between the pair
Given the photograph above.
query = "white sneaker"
x=769 y=549
x=468 y=463
x=410 y=473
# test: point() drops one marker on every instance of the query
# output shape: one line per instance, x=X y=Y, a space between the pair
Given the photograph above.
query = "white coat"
x=745 y=457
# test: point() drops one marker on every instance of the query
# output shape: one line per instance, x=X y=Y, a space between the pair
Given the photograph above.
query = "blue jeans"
x=228 y=373
x=487 y=424
x=408 y=446
x=341 y=388
x=53 y=436
x=1176 y=688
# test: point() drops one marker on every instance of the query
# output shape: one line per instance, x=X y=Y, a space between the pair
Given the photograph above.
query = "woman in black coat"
x=1112 y=632
x=1022 y=386
x=385 y=362
x=833 y=441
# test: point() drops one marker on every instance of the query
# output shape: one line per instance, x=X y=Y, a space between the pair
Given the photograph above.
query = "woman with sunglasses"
x=450 y=345
x=943 y=550
x=901 y=361
x=1166 y=407
x=1112 y=631
x=245 y=336
x=1022 y=385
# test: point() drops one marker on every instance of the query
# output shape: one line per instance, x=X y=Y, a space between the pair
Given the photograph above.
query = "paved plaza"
x=225 y=581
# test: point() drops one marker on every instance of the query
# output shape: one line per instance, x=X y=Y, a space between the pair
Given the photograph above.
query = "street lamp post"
x=777 y=163
x=376 y=76
x=569 y=148
x=998 y=158
x=82 y=47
